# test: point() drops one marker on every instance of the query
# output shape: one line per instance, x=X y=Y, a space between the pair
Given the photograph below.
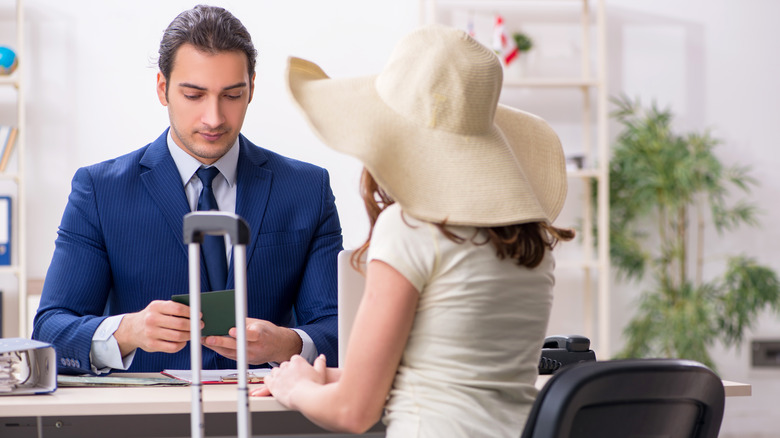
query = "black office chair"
x=629 y=398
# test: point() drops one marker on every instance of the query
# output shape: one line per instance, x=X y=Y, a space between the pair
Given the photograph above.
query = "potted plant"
x=665 y=189
x=523 y=42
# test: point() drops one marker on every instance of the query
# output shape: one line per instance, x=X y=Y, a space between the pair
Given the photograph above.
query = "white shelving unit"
x=590 y=83
x=15 y=174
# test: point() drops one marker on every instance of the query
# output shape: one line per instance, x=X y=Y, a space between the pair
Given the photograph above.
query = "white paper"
x=216 y=376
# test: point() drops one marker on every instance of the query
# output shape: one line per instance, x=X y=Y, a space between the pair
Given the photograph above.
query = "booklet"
x=218 y=309
x=255 y=375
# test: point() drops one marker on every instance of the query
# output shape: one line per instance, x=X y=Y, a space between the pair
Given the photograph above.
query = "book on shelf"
x=5 y=230
x=7 y=140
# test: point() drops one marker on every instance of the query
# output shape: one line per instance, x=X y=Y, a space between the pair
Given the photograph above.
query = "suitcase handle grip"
x=200 y=223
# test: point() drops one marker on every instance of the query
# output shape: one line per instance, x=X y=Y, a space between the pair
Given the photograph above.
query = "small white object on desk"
x=219 y=376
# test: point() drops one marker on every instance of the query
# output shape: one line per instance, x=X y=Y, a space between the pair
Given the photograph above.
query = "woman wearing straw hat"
x=461 y=193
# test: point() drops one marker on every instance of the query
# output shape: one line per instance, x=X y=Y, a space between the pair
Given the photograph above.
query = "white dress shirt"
x=105 y=354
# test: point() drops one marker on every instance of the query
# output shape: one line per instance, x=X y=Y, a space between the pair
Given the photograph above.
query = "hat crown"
x=442 y=78
x=430 y=131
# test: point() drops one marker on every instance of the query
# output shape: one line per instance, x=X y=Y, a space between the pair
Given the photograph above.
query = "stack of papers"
x=10 y=370
x=81 y=381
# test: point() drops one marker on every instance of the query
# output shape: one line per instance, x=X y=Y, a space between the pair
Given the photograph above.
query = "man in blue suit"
x=120 y=254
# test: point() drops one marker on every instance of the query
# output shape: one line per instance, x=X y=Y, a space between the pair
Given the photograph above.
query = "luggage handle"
x=196 y=225
x=200 y=223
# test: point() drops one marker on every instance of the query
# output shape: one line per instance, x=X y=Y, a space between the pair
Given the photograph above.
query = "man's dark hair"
x=210 y=29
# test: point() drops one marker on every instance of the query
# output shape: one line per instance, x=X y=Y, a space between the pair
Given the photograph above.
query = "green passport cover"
x=218 y=309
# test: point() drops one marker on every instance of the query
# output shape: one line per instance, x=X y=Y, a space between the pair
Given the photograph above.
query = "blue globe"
x=8 y=61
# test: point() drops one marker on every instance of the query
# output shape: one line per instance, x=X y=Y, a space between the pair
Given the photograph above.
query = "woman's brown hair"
x=526 y=243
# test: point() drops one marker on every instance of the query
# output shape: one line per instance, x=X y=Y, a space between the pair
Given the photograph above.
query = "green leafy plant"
x=523 y=42
x=665 y=188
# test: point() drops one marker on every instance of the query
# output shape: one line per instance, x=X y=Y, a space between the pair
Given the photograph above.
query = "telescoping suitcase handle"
x=200 y=223
x=197 y=225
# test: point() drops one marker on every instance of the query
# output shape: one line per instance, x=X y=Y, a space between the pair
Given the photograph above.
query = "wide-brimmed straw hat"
x=430 y=130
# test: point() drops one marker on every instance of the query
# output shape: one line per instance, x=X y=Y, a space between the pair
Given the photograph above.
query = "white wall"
x=712 y=63
x=92 y=76
x=91 y=97
x=91 y=71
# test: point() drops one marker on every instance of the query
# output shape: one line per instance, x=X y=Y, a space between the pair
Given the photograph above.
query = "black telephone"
x=561 y=350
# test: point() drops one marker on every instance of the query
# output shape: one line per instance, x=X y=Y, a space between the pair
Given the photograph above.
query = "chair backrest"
x=350 y=292
x=646 y=398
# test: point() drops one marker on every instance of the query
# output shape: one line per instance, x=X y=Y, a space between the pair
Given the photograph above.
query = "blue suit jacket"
x=120 y=246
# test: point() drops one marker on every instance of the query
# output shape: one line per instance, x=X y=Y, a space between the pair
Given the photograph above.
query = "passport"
x=218 y=309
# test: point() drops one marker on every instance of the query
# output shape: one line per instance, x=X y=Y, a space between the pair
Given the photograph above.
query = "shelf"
x=584 y=173
x=571 y=264
x=9 y=176
x=9 y=269
x=562 y=80
x=509 y=4
x=551 y=83
x=550 y=11
x=18 y=236
x=9 y=80
x=504 y=3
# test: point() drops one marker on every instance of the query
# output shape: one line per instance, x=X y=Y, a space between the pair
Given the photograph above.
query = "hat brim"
x=512 y=173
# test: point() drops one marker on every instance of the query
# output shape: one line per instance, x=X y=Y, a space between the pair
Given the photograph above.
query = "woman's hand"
x=283 y=380
x=353 y=400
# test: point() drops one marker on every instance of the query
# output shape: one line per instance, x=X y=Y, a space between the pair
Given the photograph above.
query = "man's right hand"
x=162 y=326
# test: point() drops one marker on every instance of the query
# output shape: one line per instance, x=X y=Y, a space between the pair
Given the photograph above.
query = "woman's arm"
x=355 y=401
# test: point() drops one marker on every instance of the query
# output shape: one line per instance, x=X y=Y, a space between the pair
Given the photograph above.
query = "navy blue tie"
x=213 y=247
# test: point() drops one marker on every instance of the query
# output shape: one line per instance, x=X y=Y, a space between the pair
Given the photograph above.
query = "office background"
x=90 y=97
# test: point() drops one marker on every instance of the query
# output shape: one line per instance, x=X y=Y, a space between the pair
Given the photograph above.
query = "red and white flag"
x=505 y=47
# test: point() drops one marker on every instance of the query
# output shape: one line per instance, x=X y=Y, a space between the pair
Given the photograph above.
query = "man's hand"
x=266 y=342
x=162 y=326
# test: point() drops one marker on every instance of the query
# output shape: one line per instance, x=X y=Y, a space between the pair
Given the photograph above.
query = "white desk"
x=163 y=412
x=732 y=389
x=67 y=401
x=153 y=411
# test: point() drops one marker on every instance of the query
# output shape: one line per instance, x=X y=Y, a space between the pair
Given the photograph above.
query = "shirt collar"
x=188 y=165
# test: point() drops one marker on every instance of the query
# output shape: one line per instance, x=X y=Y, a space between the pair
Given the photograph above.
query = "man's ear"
x=161 y=91
x=252 y=86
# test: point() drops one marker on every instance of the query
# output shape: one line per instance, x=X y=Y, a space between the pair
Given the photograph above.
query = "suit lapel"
x=163 y=183
x=252 y=192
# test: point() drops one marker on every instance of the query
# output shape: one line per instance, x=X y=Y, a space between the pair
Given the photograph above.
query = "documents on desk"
x=219 y=376
x=27 y=367
x=86 y=381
